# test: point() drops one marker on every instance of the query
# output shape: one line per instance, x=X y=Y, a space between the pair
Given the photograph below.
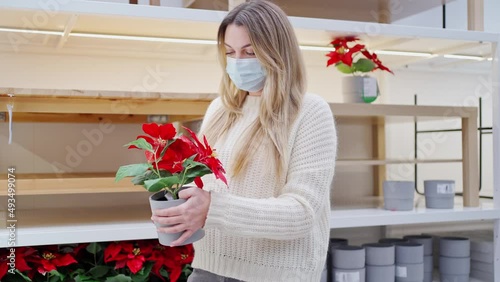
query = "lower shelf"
x=76 y=225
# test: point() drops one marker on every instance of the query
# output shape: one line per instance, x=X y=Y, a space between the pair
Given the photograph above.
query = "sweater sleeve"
x=290 y=215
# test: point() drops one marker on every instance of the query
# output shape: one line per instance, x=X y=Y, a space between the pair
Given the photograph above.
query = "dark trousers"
x=200 y=275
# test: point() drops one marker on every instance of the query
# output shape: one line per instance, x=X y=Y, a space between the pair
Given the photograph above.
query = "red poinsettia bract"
x=172 y=259
x=126 y=254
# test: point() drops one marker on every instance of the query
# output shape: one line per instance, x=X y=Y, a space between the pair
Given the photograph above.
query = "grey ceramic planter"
x=410 y=272
x=349 y=275
x=454 y=266
x=399 y=195
x=157 y=201
x=411 y=253
x=379 y=254
x=378 y=273
x=349 y=257
x=428 y=276
x=428 y=264
x=392 y=241
x=439 y=194
x=454 y=278
x=425 y=240
x=456 y=247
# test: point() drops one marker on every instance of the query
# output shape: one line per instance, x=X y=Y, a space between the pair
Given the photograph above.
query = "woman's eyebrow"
x=248 y=45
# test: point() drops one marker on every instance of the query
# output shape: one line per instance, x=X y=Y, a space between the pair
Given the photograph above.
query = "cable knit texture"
x=268 y=228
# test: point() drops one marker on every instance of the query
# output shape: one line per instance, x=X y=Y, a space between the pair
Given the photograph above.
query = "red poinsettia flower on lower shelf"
x=172 y=259
x=49 y=261
x=22 y=254
x=126 y=254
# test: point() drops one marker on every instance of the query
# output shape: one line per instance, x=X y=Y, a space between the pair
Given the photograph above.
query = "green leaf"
x=130 y=170
x=141 y=143
x=155 y=185
x=84 y=278
x=119 y=278
x=343 y=68
x=93 y=248
x=164 y=273
x=143 y=274
x=26 y=278
x=56 y=276
x=363 y=65
x=99 y=271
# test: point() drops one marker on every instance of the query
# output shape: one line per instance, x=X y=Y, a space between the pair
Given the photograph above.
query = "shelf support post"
x=496 y=151
x=470 y=157
x=475 y=15
x=379 y=171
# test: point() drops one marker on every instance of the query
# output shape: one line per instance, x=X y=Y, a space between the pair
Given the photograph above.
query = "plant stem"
x=156 y=170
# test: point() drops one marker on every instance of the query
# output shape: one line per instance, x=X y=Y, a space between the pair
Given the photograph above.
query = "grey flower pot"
x=428 y=277
x=349 y=275
x=425 y=240
x=410 y=272
x=353 y=88
x=399 y=195
x=454 y=266
x=439 y=194
x=379 y=254
x=377 y=273
x=428 y=264
x=349 y=257
x=157 y=201
x=457 y=247
x=392 y=241
x=411 y=253
x=454 y=278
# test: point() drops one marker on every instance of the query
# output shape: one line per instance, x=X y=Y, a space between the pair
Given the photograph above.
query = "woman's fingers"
x=183 y=238
x=167 y=220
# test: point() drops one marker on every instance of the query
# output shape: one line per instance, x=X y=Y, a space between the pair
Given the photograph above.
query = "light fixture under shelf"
x=214 y=42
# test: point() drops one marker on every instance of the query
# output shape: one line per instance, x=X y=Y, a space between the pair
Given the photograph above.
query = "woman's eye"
x=250 y=53
x=229 y=52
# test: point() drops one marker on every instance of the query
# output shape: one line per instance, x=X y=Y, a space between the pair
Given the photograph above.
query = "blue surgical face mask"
x=246 y=74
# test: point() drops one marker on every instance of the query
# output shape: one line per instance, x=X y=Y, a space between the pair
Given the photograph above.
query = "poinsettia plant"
x=172 y=160
x=350 y=57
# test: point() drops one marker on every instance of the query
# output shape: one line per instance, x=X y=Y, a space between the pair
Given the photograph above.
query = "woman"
x=278 y=146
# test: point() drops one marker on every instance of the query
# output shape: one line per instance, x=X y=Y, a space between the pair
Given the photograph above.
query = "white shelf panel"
x=374 y=214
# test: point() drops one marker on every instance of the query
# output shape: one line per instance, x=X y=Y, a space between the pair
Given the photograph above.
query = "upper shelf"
x=83 y=27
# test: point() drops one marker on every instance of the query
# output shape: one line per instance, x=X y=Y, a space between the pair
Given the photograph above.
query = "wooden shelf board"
x=389 y=161
x=94 y=118
x=48 y=184
x=76 y=225
x=382 y=110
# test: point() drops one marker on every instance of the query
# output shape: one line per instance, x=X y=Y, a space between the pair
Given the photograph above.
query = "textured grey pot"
x=409 y=272
x=392 y=241
x=158 y=201
x=454 y=266
x=352 y=89
x=456 y=247
x=411 y=253
x=428 y=277
x=454 y=278
x=399 y=195
x=349 y=275
x=425 y=240
x=439 y=194
x=379 y=254
x=428 y=264
x=380 y=273
x=349 y=257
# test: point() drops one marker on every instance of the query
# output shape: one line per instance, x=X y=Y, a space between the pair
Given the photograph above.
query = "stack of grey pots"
x=380 y=262
x=439 y=194
x=349 y=264
x=426 y=241
x=334 y=243
x=454 y=259
x=409 y=262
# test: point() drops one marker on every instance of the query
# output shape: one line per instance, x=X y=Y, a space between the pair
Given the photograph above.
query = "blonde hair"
x=276 y=47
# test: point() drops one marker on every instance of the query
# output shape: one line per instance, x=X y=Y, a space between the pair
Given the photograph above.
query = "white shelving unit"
x=95 y=29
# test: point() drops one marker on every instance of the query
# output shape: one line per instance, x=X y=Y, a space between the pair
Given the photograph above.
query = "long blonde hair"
x=276 y=47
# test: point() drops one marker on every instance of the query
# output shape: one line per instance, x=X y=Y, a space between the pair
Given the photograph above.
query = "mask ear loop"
x=10 y=106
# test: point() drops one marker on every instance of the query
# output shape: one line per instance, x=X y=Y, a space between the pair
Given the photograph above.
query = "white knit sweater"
x=262 y=228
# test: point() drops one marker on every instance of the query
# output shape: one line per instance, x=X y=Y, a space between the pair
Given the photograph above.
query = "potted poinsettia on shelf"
x=173 y=162
x=350 y=57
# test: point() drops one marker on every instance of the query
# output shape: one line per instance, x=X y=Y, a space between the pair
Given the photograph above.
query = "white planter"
x=399 y=195
x=359 y=89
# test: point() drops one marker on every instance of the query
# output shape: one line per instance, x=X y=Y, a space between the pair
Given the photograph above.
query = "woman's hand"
x=187 y=217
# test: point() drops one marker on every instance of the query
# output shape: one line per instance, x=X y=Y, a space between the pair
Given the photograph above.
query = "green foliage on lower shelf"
x=124 y=261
